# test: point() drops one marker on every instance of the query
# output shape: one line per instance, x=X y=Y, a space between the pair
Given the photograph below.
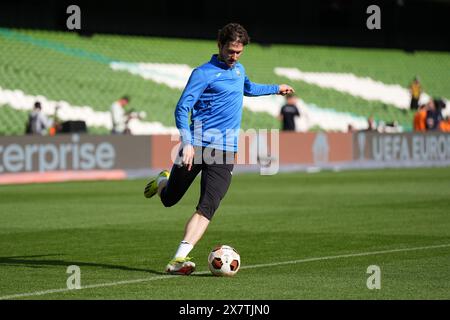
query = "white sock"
x=159 y=179
x=183 y=250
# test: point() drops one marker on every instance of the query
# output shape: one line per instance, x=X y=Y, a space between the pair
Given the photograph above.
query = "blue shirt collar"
x=215 y=61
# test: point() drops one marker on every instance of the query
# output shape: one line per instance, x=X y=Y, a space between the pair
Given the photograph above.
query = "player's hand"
x=188 y=156
x=285 y=89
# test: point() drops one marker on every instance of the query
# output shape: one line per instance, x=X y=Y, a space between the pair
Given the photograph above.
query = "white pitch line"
x=110 y=284
x=351 y=255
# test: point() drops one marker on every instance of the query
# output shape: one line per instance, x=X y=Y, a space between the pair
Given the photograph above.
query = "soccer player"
x=288 y=113
x=214 y=95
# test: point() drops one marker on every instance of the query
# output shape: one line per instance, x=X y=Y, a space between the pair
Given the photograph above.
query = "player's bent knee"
x=168 y=203
x=167 y=199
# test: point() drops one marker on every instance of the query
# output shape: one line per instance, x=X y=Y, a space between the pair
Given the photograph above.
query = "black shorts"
x=414 y=105
x=216 y=167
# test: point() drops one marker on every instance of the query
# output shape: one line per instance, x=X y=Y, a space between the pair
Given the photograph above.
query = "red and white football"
x=224 y=261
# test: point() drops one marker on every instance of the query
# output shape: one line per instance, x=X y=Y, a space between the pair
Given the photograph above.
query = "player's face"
x=292 y=100
x=231 y=52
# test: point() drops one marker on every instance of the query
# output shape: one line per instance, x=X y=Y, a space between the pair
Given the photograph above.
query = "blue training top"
x=214 y=94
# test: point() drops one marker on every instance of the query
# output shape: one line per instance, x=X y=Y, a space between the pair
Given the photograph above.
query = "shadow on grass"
x=32 y=262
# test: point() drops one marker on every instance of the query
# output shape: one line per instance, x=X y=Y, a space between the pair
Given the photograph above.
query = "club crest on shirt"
x=238 y=72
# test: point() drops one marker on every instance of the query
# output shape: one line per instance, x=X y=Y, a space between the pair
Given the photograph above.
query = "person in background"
x=434 y=116
x=420 y=118
x=118 y=115
x=371 y=125
x=288 y=113
x=350 y=128
x=416 y=90
x=57 y=125
x=444 y=125
x=37 y=121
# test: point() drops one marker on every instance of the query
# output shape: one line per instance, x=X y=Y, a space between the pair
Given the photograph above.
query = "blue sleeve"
x=194 y=88
x=255 y=89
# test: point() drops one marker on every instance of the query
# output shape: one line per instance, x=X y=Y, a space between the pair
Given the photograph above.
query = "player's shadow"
x=30 y=261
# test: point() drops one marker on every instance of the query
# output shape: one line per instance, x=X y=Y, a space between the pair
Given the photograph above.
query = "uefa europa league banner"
x=402 y=148
x=73 y=153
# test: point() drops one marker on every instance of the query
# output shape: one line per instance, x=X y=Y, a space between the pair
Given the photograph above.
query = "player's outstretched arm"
x=252 y=89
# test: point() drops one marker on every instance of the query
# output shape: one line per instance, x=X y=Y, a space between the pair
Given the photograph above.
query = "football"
x=224 y=261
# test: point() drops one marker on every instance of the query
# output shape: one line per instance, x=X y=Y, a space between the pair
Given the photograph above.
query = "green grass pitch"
x=116 y=236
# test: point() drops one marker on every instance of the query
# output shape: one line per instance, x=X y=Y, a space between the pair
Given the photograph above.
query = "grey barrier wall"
x=73 y=152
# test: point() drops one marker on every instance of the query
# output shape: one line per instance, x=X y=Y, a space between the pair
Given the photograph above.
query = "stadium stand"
x=67 y=68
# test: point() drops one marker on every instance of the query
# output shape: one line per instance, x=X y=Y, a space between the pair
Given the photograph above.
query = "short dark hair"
x=126 y=98
x=233 y=32
x=37 y=105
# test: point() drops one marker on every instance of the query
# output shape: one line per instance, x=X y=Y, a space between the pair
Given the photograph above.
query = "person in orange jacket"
x=420 y=118
x=444 y=125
